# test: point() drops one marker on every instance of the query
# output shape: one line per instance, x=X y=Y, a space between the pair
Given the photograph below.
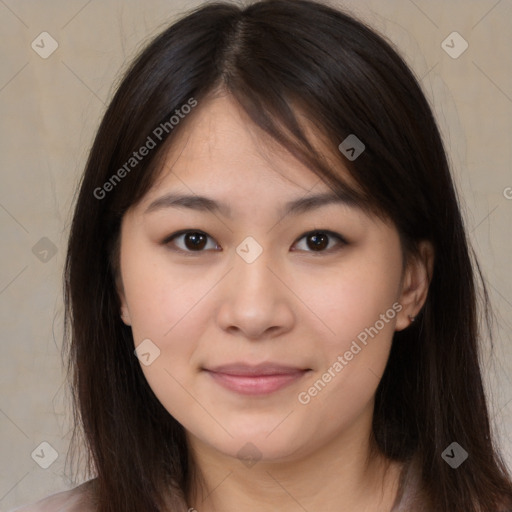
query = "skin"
x=292 y=305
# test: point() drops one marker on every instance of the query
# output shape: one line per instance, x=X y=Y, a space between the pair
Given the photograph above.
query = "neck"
x=341 y=475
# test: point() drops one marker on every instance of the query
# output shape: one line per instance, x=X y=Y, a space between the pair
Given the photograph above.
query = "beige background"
x=50 y=108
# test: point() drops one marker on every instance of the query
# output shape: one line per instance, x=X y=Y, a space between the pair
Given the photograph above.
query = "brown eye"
x=320 y=241
x=190 y=241
x=194 y=241
x=197 y=242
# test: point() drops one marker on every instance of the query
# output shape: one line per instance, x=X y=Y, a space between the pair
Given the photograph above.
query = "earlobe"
x=125 y=313
x=125 y=316
x=416 y=282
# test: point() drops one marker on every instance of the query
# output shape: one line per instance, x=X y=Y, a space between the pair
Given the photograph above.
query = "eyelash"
x=167 y=241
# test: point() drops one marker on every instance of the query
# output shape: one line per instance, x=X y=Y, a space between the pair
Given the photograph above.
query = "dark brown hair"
x=280 y=59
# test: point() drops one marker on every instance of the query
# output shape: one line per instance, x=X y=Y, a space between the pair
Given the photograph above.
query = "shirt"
x=79 y=499
x=410 y=495
x=72 y=500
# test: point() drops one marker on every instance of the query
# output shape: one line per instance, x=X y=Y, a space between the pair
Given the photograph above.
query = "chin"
x=257 y=445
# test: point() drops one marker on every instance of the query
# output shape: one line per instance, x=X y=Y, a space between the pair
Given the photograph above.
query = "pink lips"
x=255 y=380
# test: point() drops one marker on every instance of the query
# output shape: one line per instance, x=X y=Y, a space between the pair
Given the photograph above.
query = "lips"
x=244 y=369
x=258 y=379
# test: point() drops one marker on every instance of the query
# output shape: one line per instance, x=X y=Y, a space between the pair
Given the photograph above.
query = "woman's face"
x=252 y=288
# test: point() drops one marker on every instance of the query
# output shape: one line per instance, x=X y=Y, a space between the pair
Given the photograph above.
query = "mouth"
x=259 y=379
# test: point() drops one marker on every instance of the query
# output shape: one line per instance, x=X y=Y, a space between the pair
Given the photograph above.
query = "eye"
x=318 y=240
x=193 y=241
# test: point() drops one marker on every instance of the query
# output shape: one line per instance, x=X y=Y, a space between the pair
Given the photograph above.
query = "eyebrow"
x=207 y=204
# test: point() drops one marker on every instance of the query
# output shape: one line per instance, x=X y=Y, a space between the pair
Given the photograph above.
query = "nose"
x=255 y=301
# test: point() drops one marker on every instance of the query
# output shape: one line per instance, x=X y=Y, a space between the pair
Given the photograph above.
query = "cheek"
x=359 y=306
x=171 y=386
x=160 y=296
x=354 y=297
x=344 y=385
x=165 y=308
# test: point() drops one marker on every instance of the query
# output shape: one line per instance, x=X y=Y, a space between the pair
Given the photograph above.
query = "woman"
x=271 y=303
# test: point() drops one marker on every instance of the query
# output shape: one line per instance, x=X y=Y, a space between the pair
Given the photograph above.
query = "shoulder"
x=78 y=499
x=411 y=493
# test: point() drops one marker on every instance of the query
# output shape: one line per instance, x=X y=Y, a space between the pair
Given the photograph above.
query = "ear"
x=125 y=312
x=415 y=284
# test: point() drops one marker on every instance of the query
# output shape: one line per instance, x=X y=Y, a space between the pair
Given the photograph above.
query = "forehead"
x=220 y=150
